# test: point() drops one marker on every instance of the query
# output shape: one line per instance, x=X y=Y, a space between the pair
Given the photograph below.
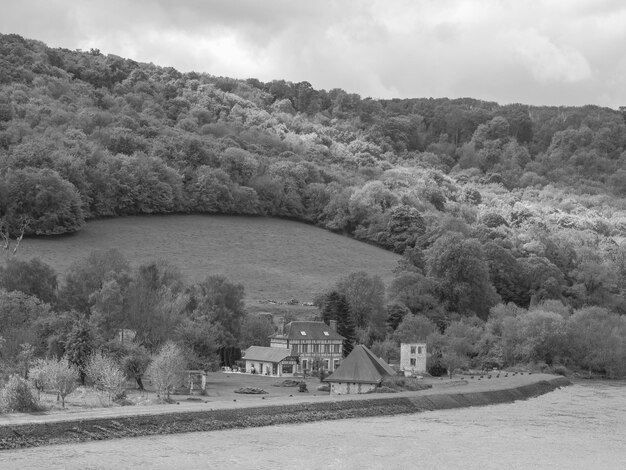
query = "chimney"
x=281 y=326
x=333 y=325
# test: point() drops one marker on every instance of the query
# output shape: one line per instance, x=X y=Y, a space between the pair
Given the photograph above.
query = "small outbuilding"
x=413 y=358
x=269 y=361
x=360 y=372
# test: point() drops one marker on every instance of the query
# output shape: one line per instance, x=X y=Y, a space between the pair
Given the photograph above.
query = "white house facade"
x=413 y=358
x=314 y=343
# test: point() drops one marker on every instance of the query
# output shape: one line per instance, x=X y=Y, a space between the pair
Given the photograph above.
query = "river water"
x=577 y=427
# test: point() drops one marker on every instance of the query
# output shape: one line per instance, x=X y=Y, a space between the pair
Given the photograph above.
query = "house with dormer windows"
x=314 y=343
x=297 y=347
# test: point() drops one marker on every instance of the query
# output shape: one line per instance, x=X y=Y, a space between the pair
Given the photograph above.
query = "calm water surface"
x=578 y=427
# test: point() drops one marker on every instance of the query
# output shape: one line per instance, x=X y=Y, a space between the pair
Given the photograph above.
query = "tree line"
x=488 y=204
x=106 y=307
x=538 y=189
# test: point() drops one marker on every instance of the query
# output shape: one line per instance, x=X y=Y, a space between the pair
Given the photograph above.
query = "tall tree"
x=19 y=314
x=51 y=203
x=87 y=276
x=464 y=284
x=32 y=277
x=220 y=302
x=336 y=307
x=79 y=346
x=414 y=328
x=156 y=303
x=256 y=331
x=365 y=294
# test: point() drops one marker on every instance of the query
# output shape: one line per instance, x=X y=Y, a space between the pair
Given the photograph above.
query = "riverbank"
x=41 y=430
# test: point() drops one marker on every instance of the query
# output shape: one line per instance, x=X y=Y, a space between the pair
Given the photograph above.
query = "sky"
x=541 y=52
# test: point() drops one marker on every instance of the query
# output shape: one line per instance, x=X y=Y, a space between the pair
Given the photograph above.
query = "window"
x=419 y=350
x=305 y=364
x=335 y=364
x=413 y=361
x=412 y=349
x=304 y=348
x=335 y=348
x=326 y=333
x=316 y=348
x=327 y=348
x=303 y=333
x=326 y=364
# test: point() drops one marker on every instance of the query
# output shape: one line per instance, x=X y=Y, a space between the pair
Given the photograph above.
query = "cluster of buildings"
x=301 y=347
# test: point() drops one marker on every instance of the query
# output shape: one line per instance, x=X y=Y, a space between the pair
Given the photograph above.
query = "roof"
x=361 y=366
x=262 y=353
x=311 y=329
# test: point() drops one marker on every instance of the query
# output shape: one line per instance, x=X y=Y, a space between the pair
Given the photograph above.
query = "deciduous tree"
x=365 y=294
x=32 y=277
x=460 y=267
x=79 y=346
x=336 y=307
x=167 y=369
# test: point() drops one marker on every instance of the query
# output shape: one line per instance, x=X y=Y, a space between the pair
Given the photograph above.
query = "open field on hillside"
x=273 y=258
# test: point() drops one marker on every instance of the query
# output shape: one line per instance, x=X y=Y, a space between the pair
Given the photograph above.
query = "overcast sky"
x=554 y=52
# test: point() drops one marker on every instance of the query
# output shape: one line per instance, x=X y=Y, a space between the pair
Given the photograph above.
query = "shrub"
x=436 y=369
x=38 y=376
x=61 y=377
x=135 y=363
x=167 y=369
x=106 y=375
x=323 y=388
x=383 y=389
x=402 y=384
x=561 y=370
x=251 y=391
x=17 y=395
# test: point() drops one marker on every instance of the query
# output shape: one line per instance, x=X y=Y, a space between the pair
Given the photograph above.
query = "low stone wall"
x=32 y=435
x=347 y=388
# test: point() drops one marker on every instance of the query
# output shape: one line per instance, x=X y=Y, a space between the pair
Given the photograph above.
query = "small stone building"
x=360 y=372
x=269 y=361
x=413 y=358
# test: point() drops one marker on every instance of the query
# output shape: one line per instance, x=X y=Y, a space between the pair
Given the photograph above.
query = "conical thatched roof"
x=361 y=366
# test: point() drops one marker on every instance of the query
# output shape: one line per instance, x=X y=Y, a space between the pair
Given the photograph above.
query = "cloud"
x=567 y=52
x=549 y=62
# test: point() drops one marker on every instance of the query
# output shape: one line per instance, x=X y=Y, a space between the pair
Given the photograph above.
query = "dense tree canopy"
x=523 y=204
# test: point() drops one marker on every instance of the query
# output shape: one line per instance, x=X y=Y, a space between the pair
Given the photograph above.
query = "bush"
x=251 y=391
x=38 y=376
x=287 y=383
x=561 y=370
x=437 y=369
x=106 y=375
x=323 y=388
x=402 y=384
x=167 y=369
x=383 y=389
x=61 y=377
x=17 y=395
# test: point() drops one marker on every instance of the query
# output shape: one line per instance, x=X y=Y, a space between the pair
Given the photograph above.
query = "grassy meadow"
x=273 y=258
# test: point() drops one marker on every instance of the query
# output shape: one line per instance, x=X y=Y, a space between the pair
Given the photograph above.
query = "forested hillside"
x=488 y=203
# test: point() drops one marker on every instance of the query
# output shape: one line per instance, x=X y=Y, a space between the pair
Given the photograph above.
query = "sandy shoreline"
x=29 y=430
